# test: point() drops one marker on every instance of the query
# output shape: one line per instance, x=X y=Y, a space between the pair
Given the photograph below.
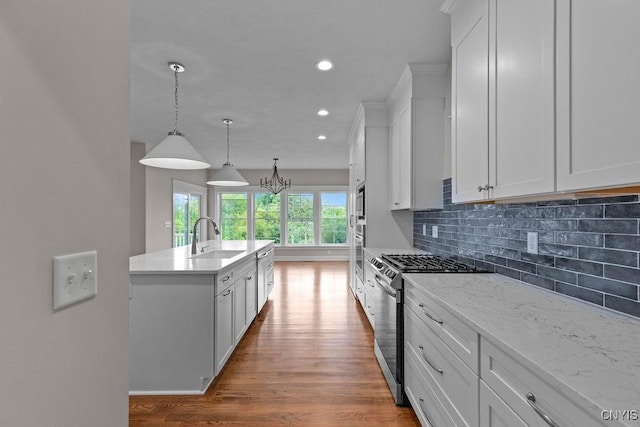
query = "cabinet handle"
x=426 y=359
x=370 y=312
x=226 y=278
x=371 y=284
x=531 y=400
x=248 y=278
x=438 y=321
x=227 y=292
x=396 y=203
x=421 y=402
x=487 y=187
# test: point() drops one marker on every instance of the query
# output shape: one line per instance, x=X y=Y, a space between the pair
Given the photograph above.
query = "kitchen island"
x=188 y=311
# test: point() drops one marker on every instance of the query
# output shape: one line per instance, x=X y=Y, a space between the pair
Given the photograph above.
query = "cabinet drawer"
x=494 y=412
x=454 y=382
x=424 y=400
x=460 y=338
x=512 y=381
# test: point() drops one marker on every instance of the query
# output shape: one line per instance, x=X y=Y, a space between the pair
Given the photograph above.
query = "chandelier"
x=276 y=183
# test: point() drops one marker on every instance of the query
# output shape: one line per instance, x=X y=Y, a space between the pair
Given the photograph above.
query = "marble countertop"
x=590 y=353
x=180 y=260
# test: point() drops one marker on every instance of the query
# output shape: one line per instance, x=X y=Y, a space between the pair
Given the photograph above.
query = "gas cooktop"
x=416 y=263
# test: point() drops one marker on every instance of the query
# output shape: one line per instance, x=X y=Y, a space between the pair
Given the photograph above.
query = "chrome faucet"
x=194 y=240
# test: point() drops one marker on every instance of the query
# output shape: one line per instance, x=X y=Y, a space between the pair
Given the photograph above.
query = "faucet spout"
x=194 y=240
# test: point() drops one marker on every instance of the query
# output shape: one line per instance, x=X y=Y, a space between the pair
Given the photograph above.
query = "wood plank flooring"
x=306 y=360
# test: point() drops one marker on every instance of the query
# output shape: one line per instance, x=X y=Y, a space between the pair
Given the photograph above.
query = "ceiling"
x=254 y=61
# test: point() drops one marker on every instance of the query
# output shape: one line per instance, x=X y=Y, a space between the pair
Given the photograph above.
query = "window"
x=233 y=216
x=309 y=217
x=300 y=219
x=188 y=205
x=267 y=217
x=333 y=218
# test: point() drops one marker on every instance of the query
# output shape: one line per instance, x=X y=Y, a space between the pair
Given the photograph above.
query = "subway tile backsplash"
x=588 y=248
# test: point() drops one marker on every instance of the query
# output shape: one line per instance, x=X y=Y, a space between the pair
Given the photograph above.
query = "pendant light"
x=228 y=176
x=175 y=152
x=276 y=183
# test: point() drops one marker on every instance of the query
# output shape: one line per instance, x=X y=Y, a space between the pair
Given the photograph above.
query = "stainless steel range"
x=384 y=274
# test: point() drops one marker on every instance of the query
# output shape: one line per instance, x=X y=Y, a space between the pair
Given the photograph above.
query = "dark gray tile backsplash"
x=588 y=249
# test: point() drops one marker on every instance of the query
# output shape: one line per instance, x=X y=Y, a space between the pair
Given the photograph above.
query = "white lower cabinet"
x=239 y=309
x=527 y=394
x=494 y=412
x=224 y=327
x=251 y=288
x=502 y=389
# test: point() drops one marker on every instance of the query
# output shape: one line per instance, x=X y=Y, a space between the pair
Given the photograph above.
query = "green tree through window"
x=233 y=216
x=267 y=217
x=300 y=220
x=333 y=218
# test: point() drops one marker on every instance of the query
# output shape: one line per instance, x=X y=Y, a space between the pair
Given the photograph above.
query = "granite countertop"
x=177 y=260
x=588 y=352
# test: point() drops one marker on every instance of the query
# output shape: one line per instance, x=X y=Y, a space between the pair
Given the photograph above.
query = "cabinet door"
x=239 y=309
x=470 y=96
x=251 y=306
x=494 y=412
x=394 y=166
x=224 y=328
x=360 y=159
x=404 y=173
x=521 y=97
x=262 y=282
x=598 y=87
x=270 y=280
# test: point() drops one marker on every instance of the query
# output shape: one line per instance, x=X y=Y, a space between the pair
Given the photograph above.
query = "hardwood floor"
x=306 y=360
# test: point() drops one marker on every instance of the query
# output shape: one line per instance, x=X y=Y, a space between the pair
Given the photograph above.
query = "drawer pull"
x=426 y=359
x=370 y=311
x=371 y=283
x=226 y=278
x=531 y=400
x=227 y=292
x=248 y=278
x=421 y=401
x=438 y=321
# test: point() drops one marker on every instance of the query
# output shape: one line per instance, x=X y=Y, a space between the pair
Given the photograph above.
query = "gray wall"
x=588 y=248
x=64 y=167
x=138 y=218
x=298 y=176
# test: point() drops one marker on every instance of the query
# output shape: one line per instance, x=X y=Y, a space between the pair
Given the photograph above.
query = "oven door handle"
x=358 y=237
x=384 y=287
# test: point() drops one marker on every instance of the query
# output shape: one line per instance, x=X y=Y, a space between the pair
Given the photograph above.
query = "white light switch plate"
x=434 y=231
x=74 y=278
x=424 y=229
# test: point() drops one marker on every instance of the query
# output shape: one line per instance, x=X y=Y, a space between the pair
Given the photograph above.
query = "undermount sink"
x=216 y=254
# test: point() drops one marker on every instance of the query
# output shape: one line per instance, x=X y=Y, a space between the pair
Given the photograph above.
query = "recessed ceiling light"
x=324 y=65
x=322 y=137
x=323 y=112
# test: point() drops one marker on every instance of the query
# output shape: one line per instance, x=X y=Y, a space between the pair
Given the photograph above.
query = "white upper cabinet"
x=503 y=99
x=469 y=100
x=598 y=76
x=521 y=98
x=416 y=138
x=544 y=97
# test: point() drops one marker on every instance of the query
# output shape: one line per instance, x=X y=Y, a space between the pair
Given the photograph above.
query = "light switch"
x=532 y=242
x=434 y=231
x=74 y=278
x=424 y=229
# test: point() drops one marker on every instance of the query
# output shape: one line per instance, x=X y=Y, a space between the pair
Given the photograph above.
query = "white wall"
x=159 y=203
x=64 y=168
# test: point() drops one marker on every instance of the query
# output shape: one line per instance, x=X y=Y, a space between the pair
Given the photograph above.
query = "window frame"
x=317 y=191
x=189 y=189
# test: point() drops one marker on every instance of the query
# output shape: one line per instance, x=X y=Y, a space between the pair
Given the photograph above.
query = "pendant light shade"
x=175 y=152
x=228 y=176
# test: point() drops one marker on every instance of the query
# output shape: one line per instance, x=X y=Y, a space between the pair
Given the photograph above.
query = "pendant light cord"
x=175 y=72
x=227 y=142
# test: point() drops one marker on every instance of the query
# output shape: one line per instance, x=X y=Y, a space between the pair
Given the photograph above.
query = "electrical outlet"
x=434 y=231
x=74 y=278
x=424 y=229
x=532 y=242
